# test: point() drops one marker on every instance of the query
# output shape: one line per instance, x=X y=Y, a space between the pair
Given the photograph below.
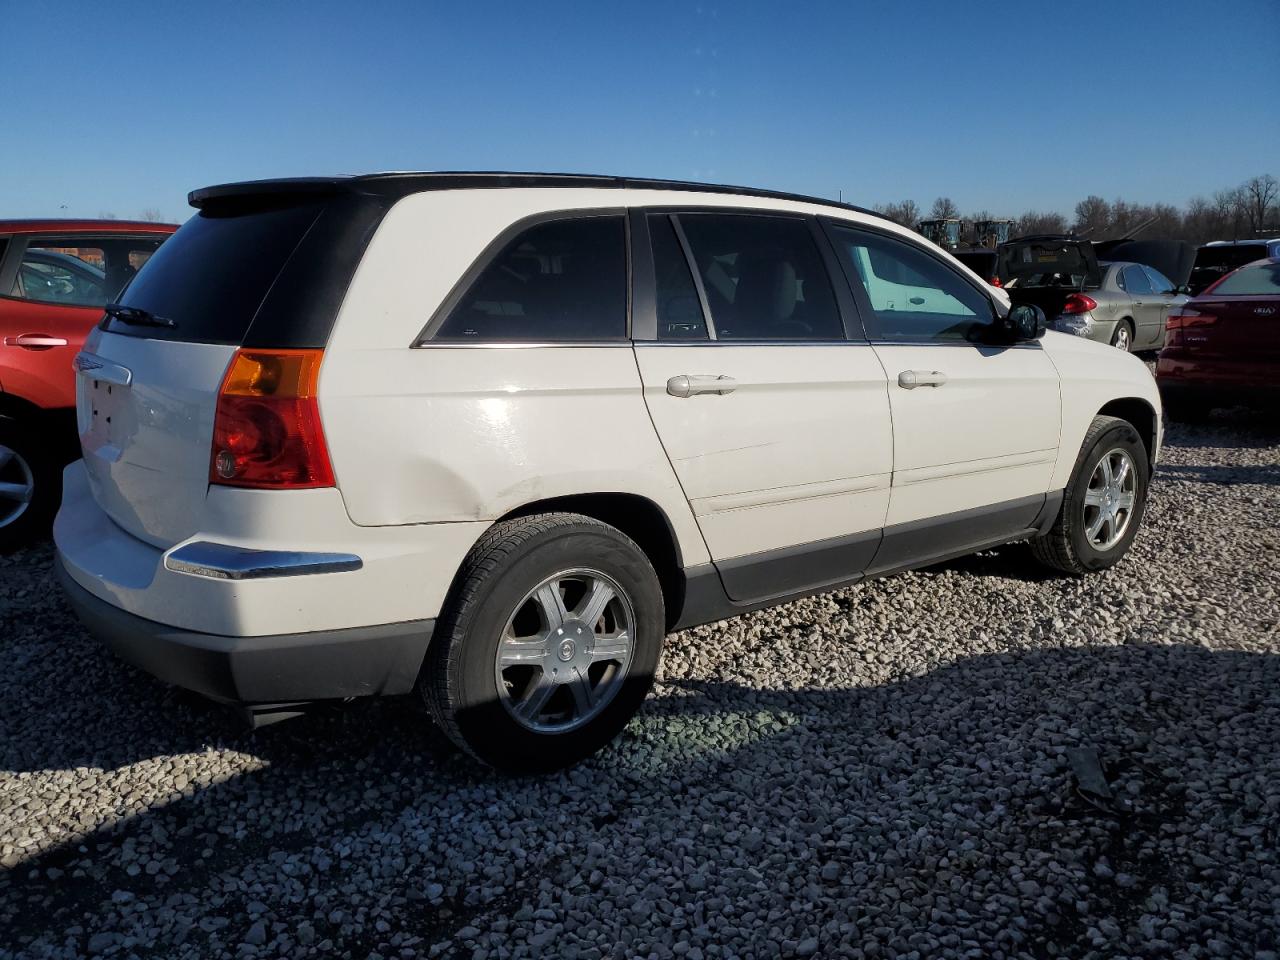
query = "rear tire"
x=30 y=486
x=1094 y=527
x=1122 y=338
x=526 y=671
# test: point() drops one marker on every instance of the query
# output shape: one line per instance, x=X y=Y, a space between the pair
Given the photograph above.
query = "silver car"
x=1121 y=303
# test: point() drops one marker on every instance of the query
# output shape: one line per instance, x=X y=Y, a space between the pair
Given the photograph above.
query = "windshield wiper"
x=137 y=316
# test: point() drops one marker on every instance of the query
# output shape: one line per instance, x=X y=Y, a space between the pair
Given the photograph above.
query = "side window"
x=1120 y=280
x=914 y=297
x=763 y=276
x=679 y=311
x=62 y=270
x=1159 y=282
x=1135 y=280
x=558 y=280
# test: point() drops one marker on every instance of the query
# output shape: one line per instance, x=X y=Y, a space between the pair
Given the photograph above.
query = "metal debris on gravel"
x=879 y=772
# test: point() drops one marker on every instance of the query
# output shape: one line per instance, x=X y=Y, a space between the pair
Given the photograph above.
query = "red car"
x=1223 y=347
x=55 y=278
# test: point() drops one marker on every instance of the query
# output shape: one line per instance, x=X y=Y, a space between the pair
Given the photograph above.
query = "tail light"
x=995 y=282
x=267 y=432
x=1079 y=303
x=1173 y=325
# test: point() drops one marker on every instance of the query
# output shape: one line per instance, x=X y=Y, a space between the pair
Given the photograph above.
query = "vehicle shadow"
x=1226 y=475
x=1235 y=428
x=916 y=789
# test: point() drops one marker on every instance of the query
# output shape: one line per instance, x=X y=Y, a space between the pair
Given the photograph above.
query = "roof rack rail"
x=399 y=184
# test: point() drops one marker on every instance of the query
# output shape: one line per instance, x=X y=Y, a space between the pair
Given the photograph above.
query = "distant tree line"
x=1244 y=211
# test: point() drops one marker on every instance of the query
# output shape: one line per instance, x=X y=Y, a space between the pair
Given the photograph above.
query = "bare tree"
x=905 y=213
x=1258 y=195
x=152 y=215
x=944 y=208
x=1034 y=222
x=1093 y=217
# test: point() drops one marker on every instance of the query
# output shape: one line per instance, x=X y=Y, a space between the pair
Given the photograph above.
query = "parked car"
x=1215 y=260
x=1123 y=304
x=55 y=278
x=490 y=437
x=1224 y=345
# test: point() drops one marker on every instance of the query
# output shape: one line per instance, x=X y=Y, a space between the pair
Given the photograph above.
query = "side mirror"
x=1184 y=290
x=1025 y=322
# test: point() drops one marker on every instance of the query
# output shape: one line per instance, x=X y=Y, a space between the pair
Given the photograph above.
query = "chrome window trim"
x=221 y=561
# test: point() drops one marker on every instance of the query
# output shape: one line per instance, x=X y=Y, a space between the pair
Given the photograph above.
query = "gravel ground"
x=883 y=771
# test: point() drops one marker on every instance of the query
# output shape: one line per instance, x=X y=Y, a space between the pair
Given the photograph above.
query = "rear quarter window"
x=559 y=280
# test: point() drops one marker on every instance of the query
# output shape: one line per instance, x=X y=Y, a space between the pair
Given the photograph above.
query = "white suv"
x=491 y=436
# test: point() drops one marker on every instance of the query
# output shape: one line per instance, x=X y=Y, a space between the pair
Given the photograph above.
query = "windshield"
x=1212 y=262
x=1259 y=280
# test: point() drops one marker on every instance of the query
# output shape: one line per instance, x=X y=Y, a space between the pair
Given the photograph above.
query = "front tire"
x=1103 y=504
x=30 y=486
x=548 y=643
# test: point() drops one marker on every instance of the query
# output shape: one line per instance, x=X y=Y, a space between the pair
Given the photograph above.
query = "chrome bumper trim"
x=219 y=561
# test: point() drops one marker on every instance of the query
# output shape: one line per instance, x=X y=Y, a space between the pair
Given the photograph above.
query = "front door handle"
x=692 y=384
x=35 y=341
x=910 y=379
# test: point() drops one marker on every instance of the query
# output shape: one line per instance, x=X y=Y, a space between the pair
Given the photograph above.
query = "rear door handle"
x=910 y=379
x=692 y=384
x=35 y=341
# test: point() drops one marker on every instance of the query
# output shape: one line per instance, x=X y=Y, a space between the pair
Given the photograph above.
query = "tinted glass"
x=764 y=278
x=559 y=280
x=1159 y=282
x=914 y=297
x=1260 y=280
x=211 y=276
x=1135 y=280
x=679 y=312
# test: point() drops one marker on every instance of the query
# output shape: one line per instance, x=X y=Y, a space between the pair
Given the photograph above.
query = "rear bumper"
x=285 y=668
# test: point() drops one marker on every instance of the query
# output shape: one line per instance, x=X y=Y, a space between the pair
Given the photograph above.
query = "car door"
x=1167 y=296
x=975 y=425
x=53 y=289
x=775 y=421
x=1149 y=308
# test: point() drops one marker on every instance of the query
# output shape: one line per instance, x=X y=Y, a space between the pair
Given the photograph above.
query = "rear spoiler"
x=251 y=191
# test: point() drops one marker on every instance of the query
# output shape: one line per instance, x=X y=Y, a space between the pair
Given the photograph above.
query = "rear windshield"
x=211 y=276
x=1262 y=280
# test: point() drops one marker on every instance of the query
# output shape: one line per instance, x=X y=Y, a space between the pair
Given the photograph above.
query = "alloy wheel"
x=565 y=651
x=17 y=485
x=1110 y=498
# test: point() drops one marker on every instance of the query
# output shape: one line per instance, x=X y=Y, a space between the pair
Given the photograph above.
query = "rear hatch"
x=244 y=271
x=1044 y=271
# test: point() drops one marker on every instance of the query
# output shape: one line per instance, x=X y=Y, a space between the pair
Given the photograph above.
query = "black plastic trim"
x=831 y=564
x=810 y=566
x=320 y=665
x=302 y=304
x=907 y=545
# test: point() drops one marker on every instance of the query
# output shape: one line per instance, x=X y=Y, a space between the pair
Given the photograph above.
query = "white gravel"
x=879 y=772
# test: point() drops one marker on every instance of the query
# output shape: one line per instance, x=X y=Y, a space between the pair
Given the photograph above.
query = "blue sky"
x=119 y=106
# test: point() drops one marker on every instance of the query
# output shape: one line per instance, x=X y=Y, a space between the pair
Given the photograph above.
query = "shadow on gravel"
x=924 y=788
x=1231 y=429
x=1228 y=475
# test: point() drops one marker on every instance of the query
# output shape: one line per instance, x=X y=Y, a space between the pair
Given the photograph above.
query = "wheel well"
x=15 y=408
x=640 y=519
x=1139 y=413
